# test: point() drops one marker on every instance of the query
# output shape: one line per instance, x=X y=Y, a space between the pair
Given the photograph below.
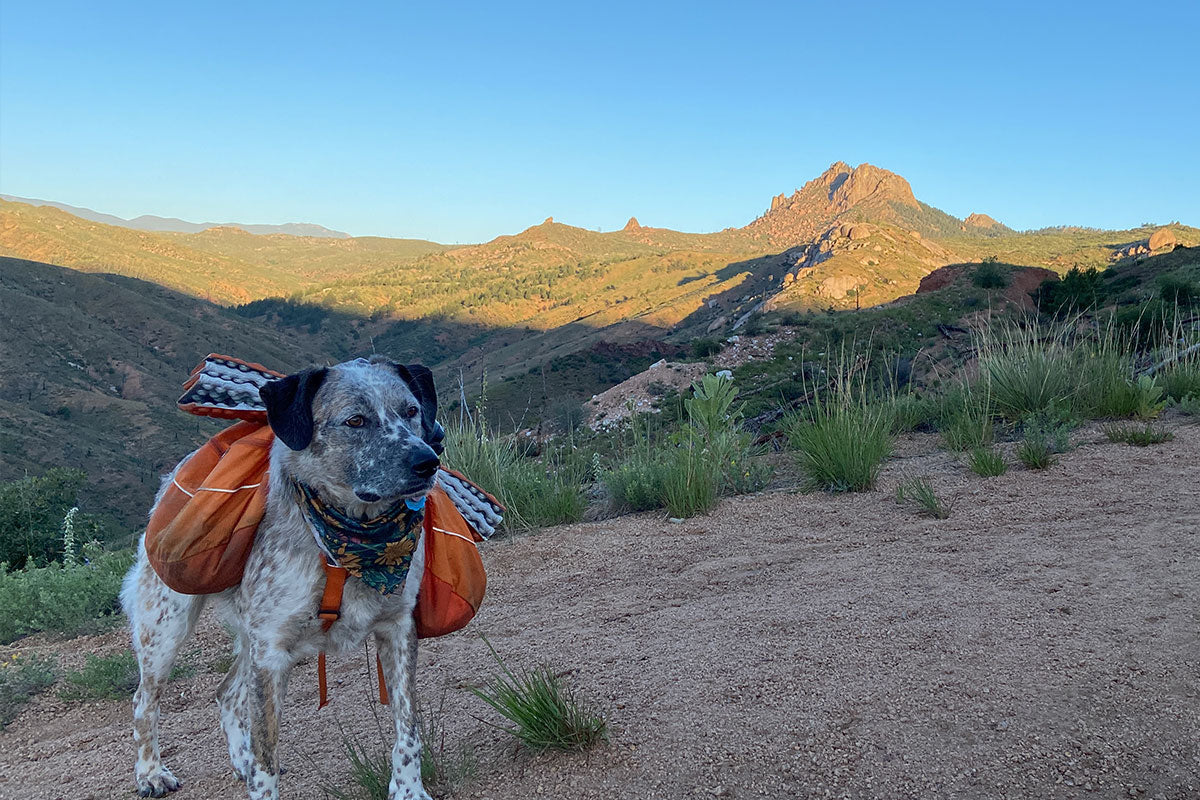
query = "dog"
x=361 y=435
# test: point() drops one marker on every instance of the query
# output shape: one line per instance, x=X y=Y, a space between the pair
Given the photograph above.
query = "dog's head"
x=360 y=432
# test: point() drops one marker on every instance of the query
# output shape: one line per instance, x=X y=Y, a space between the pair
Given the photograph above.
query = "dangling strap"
x=383 y=690
x=328 y=613
x=331 y=609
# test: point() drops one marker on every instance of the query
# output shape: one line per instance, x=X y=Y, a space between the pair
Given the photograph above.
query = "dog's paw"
x=158 y=784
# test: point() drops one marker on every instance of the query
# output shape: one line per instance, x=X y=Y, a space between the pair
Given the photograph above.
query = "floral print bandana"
x=377 y=551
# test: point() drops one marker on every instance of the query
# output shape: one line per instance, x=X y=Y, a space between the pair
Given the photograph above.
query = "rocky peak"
x=632 y=225
x=981 y=221
x=842 y=187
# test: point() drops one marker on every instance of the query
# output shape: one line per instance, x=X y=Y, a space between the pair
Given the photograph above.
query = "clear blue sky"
x=462 y=121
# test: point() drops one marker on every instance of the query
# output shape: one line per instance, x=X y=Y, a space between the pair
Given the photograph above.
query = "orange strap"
x=330 y=611
x=331 y=601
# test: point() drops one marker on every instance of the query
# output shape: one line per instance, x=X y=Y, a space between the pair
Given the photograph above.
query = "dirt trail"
x=1042 y=642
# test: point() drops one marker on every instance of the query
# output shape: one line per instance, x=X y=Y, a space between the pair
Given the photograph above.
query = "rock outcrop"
x=870 y=192
x=1162 y=238
x=632 y=225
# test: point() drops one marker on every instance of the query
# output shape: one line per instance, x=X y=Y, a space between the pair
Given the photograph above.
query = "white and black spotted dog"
x=359 y=434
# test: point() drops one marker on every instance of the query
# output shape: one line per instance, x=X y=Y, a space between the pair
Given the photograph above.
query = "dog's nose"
x=427 y=466
x=367 y=497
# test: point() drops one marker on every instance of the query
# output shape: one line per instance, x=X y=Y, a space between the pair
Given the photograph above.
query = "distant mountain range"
x=149 y=222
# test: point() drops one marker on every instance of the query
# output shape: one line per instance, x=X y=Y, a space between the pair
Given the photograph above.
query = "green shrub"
x=102 y=678
x=1035 y=453
x=1137 y=435
x=688 y=471
x=705 y=348
x=990 y=275
x=32 y=512
x=59 y=598
x=918 y=492
x=684 y=477
x=1178 y=290
x=568 y=415
x=1189 y=405
x=22 y=677
x=636 y=483
x=1078 y=290
x=534 y=494
x=987 y=463
x=841 y=444
x=542 y=713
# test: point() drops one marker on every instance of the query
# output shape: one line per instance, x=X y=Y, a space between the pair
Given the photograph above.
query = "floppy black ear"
x=420 y=381
x=289 y=406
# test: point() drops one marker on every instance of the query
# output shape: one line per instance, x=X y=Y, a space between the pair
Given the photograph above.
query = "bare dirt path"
x=1042 y=642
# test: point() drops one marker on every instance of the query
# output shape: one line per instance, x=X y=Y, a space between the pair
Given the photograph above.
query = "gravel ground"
x=1042 y=642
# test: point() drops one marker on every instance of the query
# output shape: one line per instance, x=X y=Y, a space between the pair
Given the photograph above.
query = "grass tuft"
x=841 y=444
x=987 y=462
x=22 y=677
x=535 y=494
x=1046 y=435
x=101 y=678
x=370 y=773
x=918 y=492
x=909 y=413
x=1137 y=435
x=544 y=714
x=1026 y=370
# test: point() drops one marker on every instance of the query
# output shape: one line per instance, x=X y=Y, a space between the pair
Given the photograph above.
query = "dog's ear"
x=289 y=406
x=420 y=381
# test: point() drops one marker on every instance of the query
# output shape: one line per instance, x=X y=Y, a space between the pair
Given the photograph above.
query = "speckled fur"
x=273 y=610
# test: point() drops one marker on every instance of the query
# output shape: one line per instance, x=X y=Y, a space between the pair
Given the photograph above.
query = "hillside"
x=92 y=367
x=225 y=265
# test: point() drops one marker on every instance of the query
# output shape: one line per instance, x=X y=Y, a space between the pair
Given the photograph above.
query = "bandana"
x=377 y=551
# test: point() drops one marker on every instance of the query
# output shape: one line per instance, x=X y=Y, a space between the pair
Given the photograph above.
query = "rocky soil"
x=1042 y=642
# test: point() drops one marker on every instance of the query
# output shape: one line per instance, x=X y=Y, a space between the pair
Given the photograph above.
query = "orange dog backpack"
x=201 y=531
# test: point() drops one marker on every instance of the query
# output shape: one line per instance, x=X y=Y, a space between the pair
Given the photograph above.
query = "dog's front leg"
x=398 y=654
x=265 y=707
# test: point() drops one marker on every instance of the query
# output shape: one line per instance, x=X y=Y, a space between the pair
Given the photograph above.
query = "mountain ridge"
x=157 y=224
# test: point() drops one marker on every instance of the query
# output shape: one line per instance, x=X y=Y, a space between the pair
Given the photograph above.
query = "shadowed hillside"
x=92 y=367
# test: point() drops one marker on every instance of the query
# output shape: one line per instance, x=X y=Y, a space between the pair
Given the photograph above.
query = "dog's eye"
x=356 y=421
x=411 y=411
